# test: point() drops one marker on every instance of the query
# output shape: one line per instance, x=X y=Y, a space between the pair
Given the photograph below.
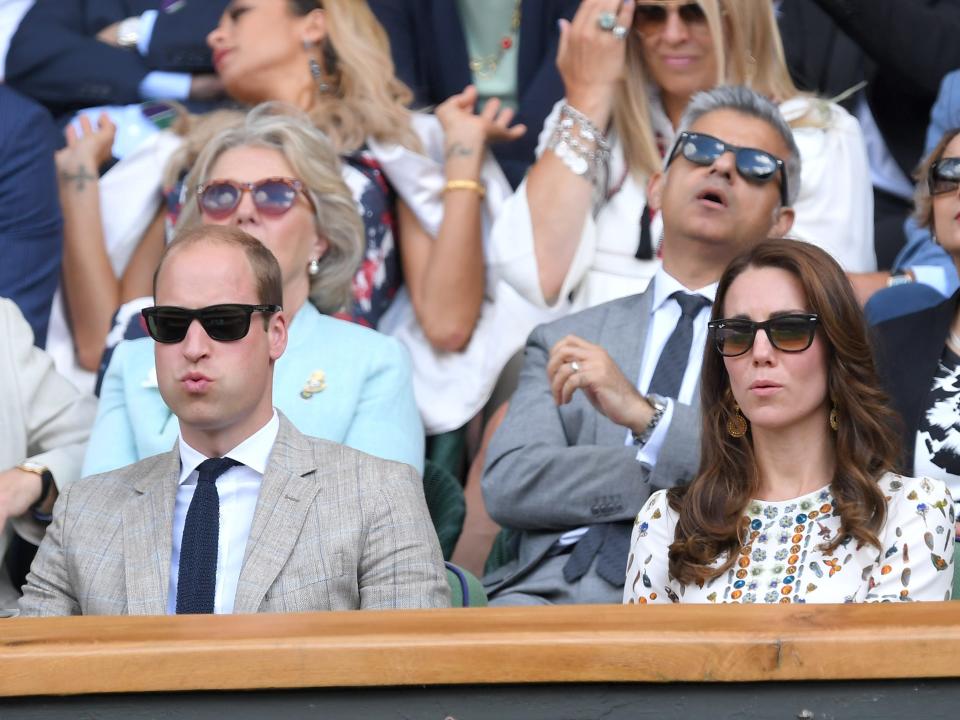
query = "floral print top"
x=782 y=560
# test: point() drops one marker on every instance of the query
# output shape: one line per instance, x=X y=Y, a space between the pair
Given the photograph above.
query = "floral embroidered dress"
x=782 y=561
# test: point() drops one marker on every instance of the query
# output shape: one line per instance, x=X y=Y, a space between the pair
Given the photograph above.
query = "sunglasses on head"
x=271 y=196
x=226 y=323
x=944 y=176
x=754 y=165
x=650 y=17
x=789 y=333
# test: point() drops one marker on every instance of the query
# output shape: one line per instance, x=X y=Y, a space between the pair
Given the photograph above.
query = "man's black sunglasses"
x=944 y=176
x=753 y=164
x=789 y=333
x=226 y=323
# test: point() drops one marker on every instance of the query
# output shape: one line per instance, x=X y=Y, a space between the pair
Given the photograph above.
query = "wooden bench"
x=588 y=661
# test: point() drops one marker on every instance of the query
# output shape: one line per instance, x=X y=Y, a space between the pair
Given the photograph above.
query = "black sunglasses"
x=944 y=176
x=752 y=164
x=226 y=323
x=271 y=196
x=650 y=17
x=789 y=333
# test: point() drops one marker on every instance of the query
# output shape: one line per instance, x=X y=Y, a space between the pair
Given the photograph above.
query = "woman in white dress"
x=795 y=500
x=578 y=231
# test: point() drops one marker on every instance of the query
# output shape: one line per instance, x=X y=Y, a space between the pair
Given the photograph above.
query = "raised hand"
x=591 y=59
x=576 y=364
x=86 y=150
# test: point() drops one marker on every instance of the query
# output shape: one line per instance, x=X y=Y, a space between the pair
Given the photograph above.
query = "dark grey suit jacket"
x=551 y=469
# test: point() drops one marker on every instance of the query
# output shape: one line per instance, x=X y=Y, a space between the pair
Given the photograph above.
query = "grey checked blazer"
x=551 y=469
x=334 y=529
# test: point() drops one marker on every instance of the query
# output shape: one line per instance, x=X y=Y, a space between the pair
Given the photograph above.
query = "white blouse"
x=782 y=560
x=833 y=211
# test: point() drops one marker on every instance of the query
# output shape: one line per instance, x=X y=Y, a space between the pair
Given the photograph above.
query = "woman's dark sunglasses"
x=789 y=333
x=271 y=196
x=650 y=17
x=226 y=323
x=753 y=164
x=944 y=176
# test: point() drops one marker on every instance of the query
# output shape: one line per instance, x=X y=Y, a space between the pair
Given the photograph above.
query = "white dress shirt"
x=239 y=488
x=664 y=316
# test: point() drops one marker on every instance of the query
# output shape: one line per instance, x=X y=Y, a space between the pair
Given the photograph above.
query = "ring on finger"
x=575 y=366
x=620 y=32
x=606 y=21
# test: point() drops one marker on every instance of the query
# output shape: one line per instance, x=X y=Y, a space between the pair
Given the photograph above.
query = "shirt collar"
x=665 y=285
x=254 y=452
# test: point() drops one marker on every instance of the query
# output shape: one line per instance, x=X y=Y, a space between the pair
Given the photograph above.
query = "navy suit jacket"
x=430 y=52
x=31 y=228
x=902 y=48
x=55 y=57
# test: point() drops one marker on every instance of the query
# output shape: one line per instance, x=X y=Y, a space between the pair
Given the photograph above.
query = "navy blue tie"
x=197 y=580
x=610 y=542
x=672 y=365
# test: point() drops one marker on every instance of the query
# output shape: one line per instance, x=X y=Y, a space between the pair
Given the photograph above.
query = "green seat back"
x=446 y=505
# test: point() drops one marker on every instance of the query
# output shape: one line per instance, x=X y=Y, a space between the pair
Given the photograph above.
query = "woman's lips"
x=764 y=388
x=218 y=58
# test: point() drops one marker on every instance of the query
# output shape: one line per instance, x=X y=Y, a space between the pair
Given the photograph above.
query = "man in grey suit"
x=245 y=514
x=607 y=406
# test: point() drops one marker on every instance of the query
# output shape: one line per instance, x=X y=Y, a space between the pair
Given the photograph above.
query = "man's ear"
x=277 y=335
x=783 y=221
x=655 y=191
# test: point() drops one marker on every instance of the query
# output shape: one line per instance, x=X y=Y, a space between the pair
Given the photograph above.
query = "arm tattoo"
x=79 y=178
x=457 y=149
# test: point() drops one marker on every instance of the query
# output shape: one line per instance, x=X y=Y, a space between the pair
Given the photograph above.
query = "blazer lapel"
x=286 y=495
x=148 y=537
x=623 y=336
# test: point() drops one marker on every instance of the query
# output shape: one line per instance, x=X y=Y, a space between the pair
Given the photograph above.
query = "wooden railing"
x=584 y=644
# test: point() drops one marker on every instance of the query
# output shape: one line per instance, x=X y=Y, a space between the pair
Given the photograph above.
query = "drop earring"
x=316 y=72
x=313 y=267
x=737 y=425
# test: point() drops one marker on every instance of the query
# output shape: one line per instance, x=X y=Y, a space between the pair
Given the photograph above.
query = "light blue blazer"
x=367 y=402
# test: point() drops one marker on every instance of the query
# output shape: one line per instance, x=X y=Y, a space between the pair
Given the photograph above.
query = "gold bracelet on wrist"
x=477 y=187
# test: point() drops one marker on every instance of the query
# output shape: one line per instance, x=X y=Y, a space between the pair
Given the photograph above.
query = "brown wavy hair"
x=867 y=446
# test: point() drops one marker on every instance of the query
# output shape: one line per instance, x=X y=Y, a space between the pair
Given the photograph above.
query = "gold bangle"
x=478 y=188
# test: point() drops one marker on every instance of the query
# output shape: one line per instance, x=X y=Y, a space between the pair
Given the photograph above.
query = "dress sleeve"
x=916 y=545
x=512 y=254
x=648 y=579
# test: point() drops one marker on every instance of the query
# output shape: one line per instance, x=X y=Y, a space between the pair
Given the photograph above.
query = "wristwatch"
x=128 y=32
x=900 y=278
x=46 y=484
x=659 y=405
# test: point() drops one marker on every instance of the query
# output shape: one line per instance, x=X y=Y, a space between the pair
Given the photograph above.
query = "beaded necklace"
x=486 y=65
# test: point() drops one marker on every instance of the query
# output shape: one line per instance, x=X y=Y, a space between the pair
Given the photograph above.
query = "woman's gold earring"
x=737 y=425
x=834 y=418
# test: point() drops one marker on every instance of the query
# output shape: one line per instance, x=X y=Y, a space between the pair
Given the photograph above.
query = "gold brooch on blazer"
x=317 y=382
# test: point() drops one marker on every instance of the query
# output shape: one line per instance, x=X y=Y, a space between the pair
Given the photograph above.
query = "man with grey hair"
x=607 y=409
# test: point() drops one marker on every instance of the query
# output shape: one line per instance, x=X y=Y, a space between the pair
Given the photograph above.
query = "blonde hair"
x=315 y=163
x=746 y=41
x=367 y=99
